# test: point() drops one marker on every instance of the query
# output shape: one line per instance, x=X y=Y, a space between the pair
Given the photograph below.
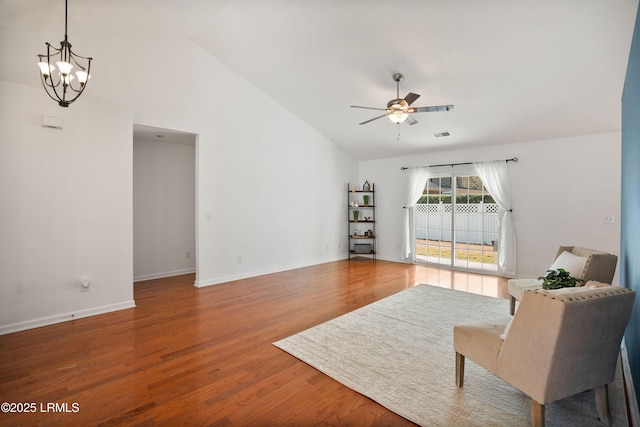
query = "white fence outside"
x=475 y=223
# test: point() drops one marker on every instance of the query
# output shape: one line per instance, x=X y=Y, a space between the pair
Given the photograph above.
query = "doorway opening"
x=164 y=202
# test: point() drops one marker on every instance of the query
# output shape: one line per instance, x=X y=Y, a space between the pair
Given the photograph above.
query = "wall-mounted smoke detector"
x=441 y=134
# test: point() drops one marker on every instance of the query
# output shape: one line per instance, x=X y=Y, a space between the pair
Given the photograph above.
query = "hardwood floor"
x=189 y=356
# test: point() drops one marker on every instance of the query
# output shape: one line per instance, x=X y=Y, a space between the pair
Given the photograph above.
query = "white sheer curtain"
x=495 y=177
x=417 y=180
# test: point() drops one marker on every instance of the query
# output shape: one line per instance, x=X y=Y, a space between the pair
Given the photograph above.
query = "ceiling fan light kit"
x=397 y=115
x=399 y=109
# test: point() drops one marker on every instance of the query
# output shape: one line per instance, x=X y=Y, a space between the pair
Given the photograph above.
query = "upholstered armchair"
x=582 y=263
x=558 y=343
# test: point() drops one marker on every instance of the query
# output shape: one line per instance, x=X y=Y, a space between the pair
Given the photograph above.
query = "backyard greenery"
x=488 y=257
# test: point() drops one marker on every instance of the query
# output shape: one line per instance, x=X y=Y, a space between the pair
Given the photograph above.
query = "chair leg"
x=537 y=414
x=459 y=369
x=512 y=306
x=602 y=404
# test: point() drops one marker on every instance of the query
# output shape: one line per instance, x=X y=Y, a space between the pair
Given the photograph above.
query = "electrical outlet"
x=609 y=219
x=84 y=285
x=188 y=255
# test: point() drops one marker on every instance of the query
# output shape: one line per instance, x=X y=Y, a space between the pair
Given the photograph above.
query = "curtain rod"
x=514 y=159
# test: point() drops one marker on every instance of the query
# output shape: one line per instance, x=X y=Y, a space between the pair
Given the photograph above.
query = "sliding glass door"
x=456 y=224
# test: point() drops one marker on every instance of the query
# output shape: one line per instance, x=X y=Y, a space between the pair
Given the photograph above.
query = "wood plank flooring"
x=189 y=356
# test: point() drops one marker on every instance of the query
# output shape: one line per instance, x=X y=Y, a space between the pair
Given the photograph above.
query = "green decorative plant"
x=355 y=215
x=366 y=200
x=560 y=278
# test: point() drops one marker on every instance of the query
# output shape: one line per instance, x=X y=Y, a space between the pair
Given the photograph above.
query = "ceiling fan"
x=398 y=110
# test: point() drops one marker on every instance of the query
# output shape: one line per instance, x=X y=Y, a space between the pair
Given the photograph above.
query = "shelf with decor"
x=361 y=214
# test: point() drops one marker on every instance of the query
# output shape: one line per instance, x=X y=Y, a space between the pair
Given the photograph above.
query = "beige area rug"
x=399 y=352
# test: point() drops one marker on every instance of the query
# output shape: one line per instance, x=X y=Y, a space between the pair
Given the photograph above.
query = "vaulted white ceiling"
x=516 y=70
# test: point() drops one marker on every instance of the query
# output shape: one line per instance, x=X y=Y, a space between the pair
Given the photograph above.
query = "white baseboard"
x=65 y=317
x=398 y=260
x=632 y=400
x=162 y=275
x=233 y=277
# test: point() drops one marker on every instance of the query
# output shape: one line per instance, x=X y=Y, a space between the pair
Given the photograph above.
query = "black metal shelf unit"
x=361 y=217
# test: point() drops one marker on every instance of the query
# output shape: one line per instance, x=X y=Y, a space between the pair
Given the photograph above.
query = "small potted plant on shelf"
x=366 y=199
x=560 y=278
x=356 y=214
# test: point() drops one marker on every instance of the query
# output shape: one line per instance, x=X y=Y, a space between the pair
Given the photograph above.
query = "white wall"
x=272 y=200
x=164 y=230
x=272 y=187
x=65 y=209
x=562 y=189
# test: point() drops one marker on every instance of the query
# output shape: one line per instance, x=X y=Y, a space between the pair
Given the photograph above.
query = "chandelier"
x=61 y=84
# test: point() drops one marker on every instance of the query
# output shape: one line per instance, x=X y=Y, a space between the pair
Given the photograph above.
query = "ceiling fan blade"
x=411 y=97
x=430 y=109
x=411 y=121
x=368 y=108
x=375 y=118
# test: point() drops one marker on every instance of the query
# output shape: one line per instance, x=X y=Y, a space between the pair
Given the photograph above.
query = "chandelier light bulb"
x=83 y=76
x=45 y=68
x=64 y=67
x=67 y=79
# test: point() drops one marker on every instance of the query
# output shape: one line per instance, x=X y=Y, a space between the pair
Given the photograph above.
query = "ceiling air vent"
x=441 y=134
